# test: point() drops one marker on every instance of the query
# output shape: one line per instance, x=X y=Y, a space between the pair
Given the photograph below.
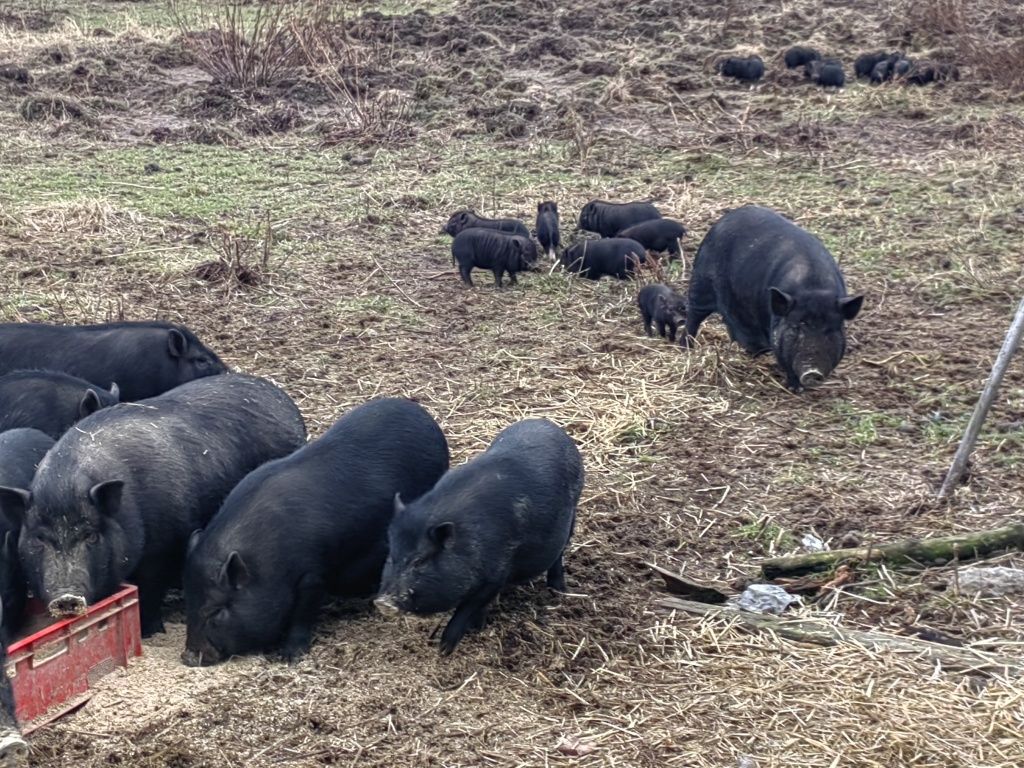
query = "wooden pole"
x=963 y=452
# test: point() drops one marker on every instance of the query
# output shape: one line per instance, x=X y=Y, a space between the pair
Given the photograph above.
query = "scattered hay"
x=53 y=107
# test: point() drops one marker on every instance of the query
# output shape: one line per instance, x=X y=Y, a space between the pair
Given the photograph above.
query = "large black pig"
x=660 y=235
x=329 y=503
x=117 y=497
x=497 y=251
x=614 y=256
x=144 y=359
x=608 y=219
x=503 y=518
x=21 y=450
x=49 y=401
x=461 y=220
x=13 y=749
x=547 y=228
x=777 y=288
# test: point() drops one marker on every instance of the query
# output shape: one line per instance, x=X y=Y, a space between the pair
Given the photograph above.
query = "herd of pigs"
x=129 y=452
x=828 y=72
x=776 y=286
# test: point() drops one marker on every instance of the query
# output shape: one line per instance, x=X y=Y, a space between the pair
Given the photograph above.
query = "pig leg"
x=672 y=327
x=647 y=323
x=511 y=278
x=464 y=272
x=661 y=328
x=556 y=576
x=308 y=597
x=700 y=305
x=497 y=277
x=153 y=584
x=466 y=615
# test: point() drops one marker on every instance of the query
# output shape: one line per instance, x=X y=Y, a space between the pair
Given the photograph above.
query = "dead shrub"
x=243 y=258
x=341 y=64
x=243 y=46
x=986 y=37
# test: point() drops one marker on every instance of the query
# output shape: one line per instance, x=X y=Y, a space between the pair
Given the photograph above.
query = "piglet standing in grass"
x=547 y=228
x=503 y=518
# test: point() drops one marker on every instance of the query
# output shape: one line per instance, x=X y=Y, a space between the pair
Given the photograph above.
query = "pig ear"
x=193 y=541
x=850 y=306
x=235 y=573
x=399 y=506
x=90 y=403
x=782 y=302
x=106 y=497
x=441 y=533
x=115 y=391
x=13 y=503
x=177 y=344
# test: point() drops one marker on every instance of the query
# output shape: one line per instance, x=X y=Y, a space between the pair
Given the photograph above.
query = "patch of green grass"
x=770 y=535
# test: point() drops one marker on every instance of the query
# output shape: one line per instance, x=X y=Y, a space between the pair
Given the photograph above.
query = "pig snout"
x=812 y=378
x=67 y=604
x=386 y=605
x=13 y=749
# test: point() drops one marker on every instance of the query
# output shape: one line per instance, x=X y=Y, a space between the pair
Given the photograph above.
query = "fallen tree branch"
x=924 y=552
x=680 y=585
x=821 y=633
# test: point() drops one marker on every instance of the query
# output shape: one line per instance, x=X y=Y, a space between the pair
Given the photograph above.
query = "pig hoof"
x=386 y=605
x=291 y=654
x=13 y=750
x=67 y=605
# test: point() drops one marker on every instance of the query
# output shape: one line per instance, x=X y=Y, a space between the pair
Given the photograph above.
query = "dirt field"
x=125 y=170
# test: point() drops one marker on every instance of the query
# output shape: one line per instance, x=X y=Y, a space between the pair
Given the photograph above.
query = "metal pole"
x=963 y=453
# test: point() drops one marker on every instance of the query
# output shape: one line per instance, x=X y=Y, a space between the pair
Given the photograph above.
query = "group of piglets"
x=776 y=286
x=628 y=231
x=827 y=71
x=211 y=484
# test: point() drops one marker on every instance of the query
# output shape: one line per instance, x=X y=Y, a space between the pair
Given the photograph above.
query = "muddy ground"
x=295 y=226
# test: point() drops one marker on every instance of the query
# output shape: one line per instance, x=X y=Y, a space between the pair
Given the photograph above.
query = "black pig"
x=497 y=251
x=461 y=220
x=826 y=73
x=145 y=359
x=117 y=497
x=331 y=502
x=866 y=62
x=21 y=450
x=614 y=256
x=49 y=401
x=608 y=219
x=503 y=518
x=659 y=235
x=750 y=68
x=777 y=288
x=924 y=72
x=799 y=55
x=547 y=228
x=662 y=306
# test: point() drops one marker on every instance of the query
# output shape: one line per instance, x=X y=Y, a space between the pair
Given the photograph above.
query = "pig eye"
x=92 y=538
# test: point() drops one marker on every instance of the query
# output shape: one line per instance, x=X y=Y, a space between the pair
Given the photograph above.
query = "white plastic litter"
x=812 y=543
x=765 y=598
x=995 y=580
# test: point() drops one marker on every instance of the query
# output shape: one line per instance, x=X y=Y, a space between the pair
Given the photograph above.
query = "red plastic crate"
x=56 y=665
